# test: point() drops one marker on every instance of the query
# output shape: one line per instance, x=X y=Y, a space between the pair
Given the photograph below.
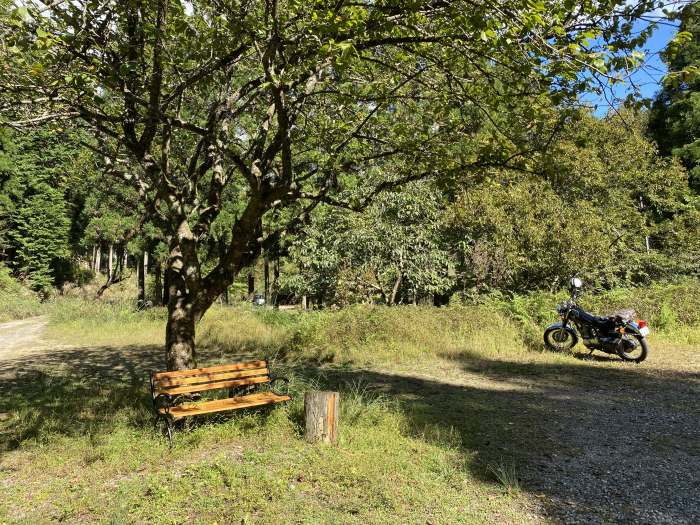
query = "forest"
x=316 y=261
x=347 y=155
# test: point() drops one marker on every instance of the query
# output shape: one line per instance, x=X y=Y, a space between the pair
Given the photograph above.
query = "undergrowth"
x=16 y=301
x=363 y=335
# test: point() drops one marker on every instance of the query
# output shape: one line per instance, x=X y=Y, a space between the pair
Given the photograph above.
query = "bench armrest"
x=162 y=401
x=284 y=380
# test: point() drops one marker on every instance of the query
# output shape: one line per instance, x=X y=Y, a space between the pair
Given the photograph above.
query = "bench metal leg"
x=169 y=429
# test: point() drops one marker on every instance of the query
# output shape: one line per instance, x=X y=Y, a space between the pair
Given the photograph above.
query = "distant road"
x=19 y=337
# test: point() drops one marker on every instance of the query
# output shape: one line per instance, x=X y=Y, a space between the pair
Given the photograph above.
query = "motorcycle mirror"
x=576 y=283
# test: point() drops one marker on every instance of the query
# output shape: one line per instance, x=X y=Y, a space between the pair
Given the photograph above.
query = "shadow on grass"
x=602 y=444
x=80 y=391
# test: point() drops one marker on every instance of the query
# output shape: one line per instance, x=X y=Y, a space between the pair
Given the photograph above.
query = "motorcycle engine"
x=589 y=337
x=610 y=344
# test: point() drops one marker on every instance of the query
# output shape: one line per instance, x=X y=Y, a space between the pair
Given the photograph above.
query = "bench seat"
x=220 y=405
x=178 y=394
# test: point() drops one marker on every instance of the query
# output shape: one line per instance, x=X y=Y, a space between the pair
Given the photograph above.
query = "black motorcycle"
x=616 y=334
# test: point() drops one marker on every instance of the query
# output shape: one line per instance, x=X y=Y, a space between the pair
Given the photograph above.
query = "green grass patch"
x=90 y=453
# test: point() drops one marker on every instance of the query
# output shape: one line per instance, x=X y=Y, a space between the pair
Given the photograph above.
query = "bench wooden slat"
x=213 y=386
x=208 y=378
x=220 y=405
x=210 y=369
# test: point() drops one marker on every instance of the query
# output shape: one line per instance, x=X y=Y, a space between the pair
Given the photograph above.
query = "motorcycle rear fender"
x=633 y=328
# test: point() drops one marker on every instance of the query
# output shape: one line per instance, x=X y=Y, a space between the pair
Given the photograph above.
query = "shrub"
x=664 y=305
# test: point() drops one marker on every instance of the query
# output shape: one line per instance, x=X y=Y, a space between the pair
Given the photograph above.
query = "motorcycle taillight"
x=641 y=324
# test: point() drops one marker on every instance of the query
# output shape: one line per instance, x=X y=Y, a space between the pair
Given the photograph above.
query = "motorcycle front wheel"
x=633 y=348
x=559 y=339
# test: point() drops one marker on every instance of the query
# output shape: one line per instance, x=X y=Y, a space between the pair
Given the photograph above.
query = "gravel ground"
x=21 y=337
x=632 y=457
x=594 y=442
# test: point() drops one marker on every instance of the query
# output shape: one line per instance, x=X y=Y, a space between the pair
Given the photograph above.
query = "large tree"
x=604 y=205
x=269 y=107
x=393 y=252
x=34 y=214
x=675 y=115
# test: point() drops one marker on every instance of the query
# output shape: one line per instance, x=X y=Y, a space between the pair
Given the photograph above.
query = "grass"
x=505 y=473
x=16 y=301
x=99 y=460
x=443 y=411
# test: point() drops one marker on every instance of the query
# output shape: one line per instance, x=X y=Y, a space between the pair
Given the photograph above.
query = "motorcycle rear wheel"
x=638 y=353
x=560 y=339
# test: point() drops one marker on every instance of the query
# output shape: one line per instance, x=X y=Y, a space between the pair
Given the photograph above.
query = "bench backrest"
x=211 y=378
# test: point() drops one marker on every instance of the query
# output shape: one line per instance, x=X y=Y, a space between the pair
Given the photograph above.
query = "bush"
x=360 y=334
x=663 y=305
x=364 y=335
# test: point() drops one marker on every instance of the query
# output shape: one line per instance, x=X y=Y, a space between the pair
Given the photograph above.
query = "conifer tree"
x=675 y=115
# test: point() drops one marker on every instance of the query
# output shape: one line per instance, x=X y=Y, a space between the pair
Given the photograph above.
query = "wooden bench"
x=177 y=394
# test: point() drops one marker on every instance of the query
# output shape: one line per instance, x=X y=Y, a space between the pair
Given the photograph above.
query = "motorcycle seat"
x=597 y=319
x=603 y=321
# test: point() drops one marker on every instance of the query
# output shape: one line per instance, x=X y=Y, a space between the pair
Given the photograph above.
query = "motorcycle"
x=617 y=334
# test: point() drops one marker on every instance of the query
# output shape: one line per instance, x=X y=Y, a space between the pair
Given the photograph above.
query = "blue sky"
x=651 y=76
x=648 y=78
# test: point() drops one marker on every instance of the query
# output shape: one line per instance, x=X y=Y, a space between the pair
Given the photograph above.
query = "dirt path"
x=18 y=338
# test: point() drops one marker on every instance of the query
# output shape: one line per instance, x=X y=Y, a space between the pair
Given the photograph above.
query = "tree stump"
x=321 y=416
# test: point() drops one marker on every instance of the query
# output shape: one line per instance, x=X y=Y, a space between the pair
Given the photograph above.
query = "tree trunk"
x=94 y=255
x=145 y=268
x=275 y=281
x=158 y=285
x=141 y=278
x=304 y=303
x=110 y=263
x=120 y=255
x=321 y=416
x=180 y=328
x=191 y=294
x=395 y=290
x=251 y=283
x=115 y=274
x=179 y=333
x=266 y=274
x=98 y=260
x=125 y=260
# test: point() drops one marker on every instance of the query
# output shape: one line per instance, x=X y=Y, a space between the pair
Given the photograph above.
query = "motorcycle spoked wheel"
x=633 y=348
x=560 y=339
